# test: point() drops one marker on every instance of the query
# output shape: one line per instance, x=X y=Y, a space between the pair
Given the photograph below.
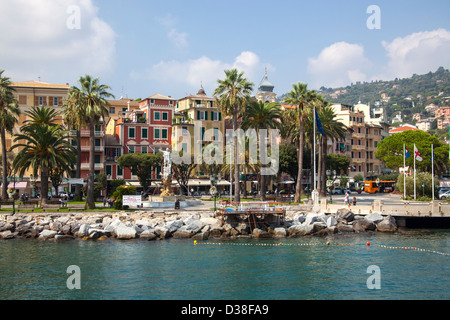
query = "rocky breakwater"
x=192 y=225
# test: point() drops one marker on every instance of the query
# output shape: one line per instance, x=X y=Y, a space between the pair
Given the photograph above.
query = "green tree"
x=233 y=94
x=92 y=97
x=288 y=159
x=260 y=115
x=299 y=98
x=141 y=164
x=75 y=119
x=422 y=178
x=338 y=163
x=390 y=151
x=9 y=113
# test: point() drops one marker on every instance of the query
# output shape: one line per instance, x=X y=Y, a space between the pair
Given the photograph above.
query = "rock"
x=298 y=218
x=258 y=233
x=84 y=230
x=162 y=232
x=331 y=222
x=213 y=222
x=387 y=225
x=342 y=227
x=174 y=225
x=47 y=234
x=344 y=214
x=125 y=233
x=7 y=235
x=148 y=234
x=63 y=220
x=310 y=218
x=362 y=225
x=113 y=225
x=300 y=230
x=6 y=227
x=182 y=233
x=317 y=226
x=243 y=229
x=201 y=236
x=63 y=237
x=375 y=217
x=279 y=233
x=215 y=232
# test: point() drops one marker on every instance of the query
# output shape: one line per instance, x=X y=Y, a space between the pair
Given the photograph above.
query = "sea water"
x=393 y=266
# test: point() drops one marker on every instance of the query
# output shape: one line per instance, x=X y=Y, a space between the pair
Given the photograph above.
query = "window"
x=201 y=115
x=131 y=133
x=41 y=101
x=216 y=134
x=97 y=142
x=214 y=116
x=108 y=170
x=144 y=133
x=55 y=101
x=119 y=171
x=130 y=149
x=376 y=144
x=164 y=133
x=165 y=116
x=184 y=131
x=144 y=149
x=156 y=134
x=157 y=115
x=112 y=110
x=97 y=158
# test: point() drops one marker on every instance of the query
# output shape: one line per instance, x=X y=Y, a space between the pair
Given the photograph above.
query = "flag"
x=407 y=154
x=318 y=123
x=417 y=155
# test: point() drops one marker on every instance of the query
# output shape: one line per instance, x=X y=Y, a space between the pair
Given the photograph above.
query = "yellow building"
x=198 y=117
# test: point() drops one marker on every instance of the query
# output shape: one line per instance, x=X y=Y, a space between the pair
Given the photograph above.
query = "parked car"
x=347 y=190
x=443 y=190
x=444 y=195
x=338 y=190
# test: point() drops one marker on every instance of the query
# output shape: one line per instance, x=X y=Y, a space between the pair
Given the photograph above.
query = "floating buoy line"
x=281 y=244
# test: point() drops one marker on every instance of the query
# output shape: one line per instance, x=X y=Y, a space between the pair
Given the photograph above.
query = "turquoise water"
x=240 y=269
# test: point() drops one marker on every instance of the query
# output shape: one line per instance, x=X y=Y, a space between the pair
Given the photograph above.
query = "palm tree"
x=260 y=115
x=9 y=113
x=298 y=97
x=75 y=118
x=92 y=97
x=43 y=147
x=333 y=129
x=233 y=95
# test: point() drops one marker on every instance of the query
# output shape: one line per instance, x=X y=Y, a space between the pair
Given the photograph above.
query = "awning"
x=223 y=183
x=19 y=185
x=199 y=182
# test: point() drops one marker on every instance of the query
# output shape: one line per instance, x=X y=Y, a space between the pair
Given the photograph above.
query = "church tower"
x=265 y=90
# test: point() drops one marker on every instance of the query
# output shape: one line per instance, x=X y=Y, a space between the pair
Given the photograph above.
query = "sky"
x=173 y=47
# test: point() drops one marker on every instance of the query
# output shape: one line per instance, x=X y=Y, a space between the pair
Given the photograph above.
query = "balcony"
x=356 y=135
x=85 y=133
x=96 y=148
x=358 y=160
x=98 y=166
x=358 y=147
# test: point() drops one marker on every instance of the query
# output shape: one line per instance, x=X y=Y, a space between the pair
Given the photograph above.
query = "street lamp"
x=214 y=178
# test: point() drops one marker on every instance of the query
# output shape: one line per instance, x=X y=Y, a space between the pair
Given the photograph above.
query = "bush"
x=122 y=191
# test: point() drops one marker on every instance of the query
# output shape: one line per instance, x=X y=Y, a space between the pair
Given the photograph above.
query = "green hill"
x=408 y=95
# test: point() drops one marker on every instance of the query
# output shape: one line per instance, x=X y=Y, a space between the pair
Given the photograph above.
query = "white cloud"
x=179 y=39
x=190 y=74
x=418 y=53
x=40 y=43
x=339 y=64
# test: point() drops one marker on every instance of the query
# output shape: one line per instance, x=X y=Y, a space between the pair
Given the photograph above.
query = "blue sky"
x=171 y=47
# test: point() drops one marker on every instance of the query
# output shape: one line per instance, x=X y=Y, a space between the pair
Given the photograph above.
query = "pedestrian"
x=347 y=199
x=354 y=201
x=104 y=202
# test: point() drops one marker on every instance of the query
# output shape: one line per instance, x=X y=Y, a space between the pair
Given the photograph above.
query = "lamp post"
x=214 y=178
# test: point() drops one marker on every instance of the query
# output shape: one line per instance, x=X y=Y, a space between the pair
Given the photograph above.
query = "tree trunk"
x=90 y=201
x=299 y=189
x=78 y=196
x=237 y=196
x=44 y=185
x=4 y=166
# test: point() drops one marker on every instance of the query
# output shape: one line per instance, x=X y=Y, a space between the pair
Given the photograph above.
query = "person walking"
x=347 y=199
x=354 y=201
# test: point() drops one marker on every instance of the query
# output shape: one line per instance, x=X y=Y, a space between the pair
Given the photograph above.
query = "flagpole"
x=414 y=171
x=314 y=136
x=404 y=173
x=432 y=172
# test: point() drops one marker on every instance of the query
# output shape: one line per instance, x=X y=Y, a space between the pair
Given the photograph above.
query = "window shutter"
x=198 y=115
x=220 y=116
x=206 y=115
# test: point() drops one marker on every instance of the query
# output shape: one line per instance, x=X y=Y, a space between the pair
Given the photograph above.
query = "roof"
x=39 y=84
x=402 y=128
x=160 y=97
x=265 y=85
x=123 y=102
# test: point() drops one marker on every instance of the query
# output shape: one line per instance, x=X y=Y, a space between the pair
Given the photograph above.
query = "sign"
x=131 y=201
